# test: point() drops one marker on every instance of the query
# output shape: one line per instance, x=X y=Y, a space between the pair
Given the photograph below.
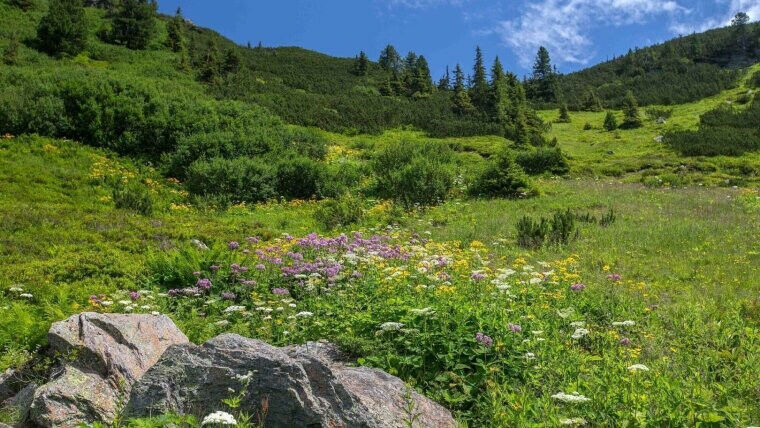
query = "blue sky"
x=577 y=33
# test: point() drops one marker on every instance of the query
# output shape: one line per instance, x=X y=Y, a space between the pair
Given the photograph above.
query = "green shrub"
x=340 y=178
x=414 y=173
x=655 y=113
x=610 y=122
x=299 y=178
x=64 y=29
x=134 y=23
x=133 y=196
x=531 y=234
x=543 y=160
x=587 y=126
x=236 y=180
x=560 y=229
x=718 y=141
x=342 y=211
x=754 y=81
x=503 y=177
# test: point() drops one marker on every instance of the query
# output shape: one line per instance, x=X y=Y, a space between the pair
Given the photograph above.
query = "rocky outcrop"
x=7 y=389
x=108 y=353
x=142 y=365
x=296 y=386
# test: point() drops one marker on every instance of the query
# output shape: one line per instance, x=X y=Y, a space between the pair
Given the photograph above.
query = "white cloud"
x=423 y=4
x=731 y=7
x=563 y=26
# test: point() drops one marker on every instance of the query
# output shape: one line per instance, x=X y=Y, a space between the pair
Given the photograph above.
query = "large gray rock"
x=109 y=353
x=20 y=403
x=303 y=386
x=7 y=389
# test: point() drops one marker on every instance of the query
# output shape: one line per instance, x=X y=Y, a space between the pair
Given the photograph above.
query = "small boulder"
x=110 y=352
x=293 y=386
x=7 y=389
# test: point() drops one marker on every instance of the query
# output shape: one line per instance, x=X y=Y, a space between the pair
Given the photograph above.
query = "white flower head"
x=231 y=309
x=577 y=324
x=570 y=398
x=638 y=368
x=219 y=418
x=627 y=323
x=391 y=326
x=26 y=295
x=304 y=314
x=579 y=332
x=572 y=421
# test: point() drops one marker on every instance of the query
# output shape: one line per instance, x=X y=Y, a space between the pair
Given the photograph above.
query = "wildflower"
x=229 y=296
x=534 y=281
x=572 y=421
x=578 y=287
x=196 y=274
x=214 y=267
x=477 y=276
x=530 y=356
x=125 y=302
x=626 y=341
x=484 y=340
x=134 y=295
x=219 y=418
x=155 y=313
x=579 y=333
x=570 y=398
x=627 y=323
x=304 y=314
x=16 y=289
x=515 y=328
x=281 y=291
x=577 y=324
x=615 y=277
x=391 y=326
x=423 y=311
x=222 y=323
x=26 y=295
x=231 y=309
x=292 y=305
x=638 y=367
x=203 y=283
x=233 y=245
x=260 y=267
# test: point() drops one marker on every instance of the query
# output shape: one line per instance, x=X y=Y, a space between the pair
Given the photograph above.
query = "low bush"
x=560 y=229
x=233 y=180
x=655 y=113
x=299 y=178
x=503 y=177
x=543 y=160
x=342 y=211
x=133 y=196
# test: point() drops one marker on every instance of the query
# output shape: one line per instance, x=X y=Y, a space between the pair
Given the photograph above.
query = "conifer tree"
x=64 y=29
x=479 y=89
x=564 y=113
x=232 y=61
x=631 y=117
x=445 y=83
x=210 y=67
x=543 y=80
x=462 y=102
x=592 y=103
x=610 y=122
x=497 y=71
x=361 y=64
x=386 y=89
x=522 y=134
x=397 y=84
x=175 y=30
x=422 y=82
x=390 y=60
x=134 y=23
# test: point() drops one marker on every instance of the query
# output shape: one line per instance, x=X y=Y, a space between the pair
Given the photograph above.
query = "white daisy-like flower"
x=577 y=324
x=579 y=332
x=219 y=418
x=304 y=314
x=638 y=368
x=570 y=398
x=391 y=326
x=231 y=309
x=26 y=295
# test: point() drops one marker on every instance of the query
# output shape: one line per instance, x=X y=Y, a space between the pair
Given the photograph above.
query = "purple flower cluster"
x=478 y=276
x=615 y=277
x=484 y=340
x=515 y=328
x=229 y=295
x=281 y=291
x=188 y=292
x=134 y=295
x=578 y=287
x=203 y=283
x=233 y=245
x=626 y=341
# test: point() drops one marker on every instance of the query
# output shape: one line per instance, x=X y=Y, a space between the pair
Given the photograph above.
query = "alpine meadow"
x=198 y=232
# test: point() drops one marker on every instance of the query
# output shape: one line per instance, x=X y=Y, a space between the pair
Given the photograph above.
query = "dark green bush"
x=64 y=29
x=341 y=178
x=299 y=177
x=235 y=180
x=133 y=196
x=414 y=173
x=754 y=81
x=543 y=160
x=531 y=234
x=503 y=177
x=342 y=211
x=560 y=229
x=719 y=141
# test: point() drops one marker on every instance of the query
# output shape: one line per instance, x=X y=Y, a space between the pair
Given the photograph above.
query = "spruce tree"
x=564 y=113
x=542 y=67
x=386 y=89
x=422 y=82
x=479 y=89
x=497 y=71
x=361 y=64
x=521 y=135
x=631 y=117
x=134 y=23
x=610 y=122
x=232 y=61
x=592 y=102
x=462 y=102
x=445 y=83
x=175 y=30
x=390 y=60
x=397 y=84
x=210 y=67
x=64 y=29
x=543 y=80
x=10 y=54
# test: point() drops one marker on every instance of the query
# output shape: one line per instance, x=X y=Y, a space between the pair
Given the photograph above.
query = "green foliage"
x=233 y=180
x=503 y=177
x=64 y=29
x=588 y=126
x=361 y=64
x=543 y=160
x=133 y=196
x=414 y=173
x=176 y=33
x=10 y=53
x=564 y=114
x=631 y=117
x=610 y=121
x=754 y=81
x=134 y=23
x=656 y=113
x=300 y=178
x=340 y=212
x=560 y=229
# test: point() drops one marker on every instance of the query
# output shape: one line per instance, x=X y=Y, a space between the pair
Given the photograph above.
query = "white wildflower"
x=125 y=302
x=579 y=332
x=627 y=323
x=638 y=367
x=423 y=311
x=222 y=323
x=219 y=418
x=304 y=314
x=156 y=313
x=26 y=295
x=231 y=309
x=570 y=398
x=577 y=324
x=390 y=326
x=16 y=289
x=106 y=303
x=534 y=281
x=292 y=305
x=572 y=421
x=530 y=356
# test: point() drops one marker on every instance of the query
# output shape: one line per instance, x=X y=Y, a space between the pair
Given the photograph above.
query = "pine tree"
x=397 y=84
x=521 y=136
x=422 y=82
x=631 y=118
x=497 y=71
x=445 y=83
x=543 y=86
x=542 y=68
x=564 y=113
x=462 y=102
x=64 y=29
x=610 y=122
x=361 y=64
x=175 y=30
x=390 y=60
x=479 y=89
x=134 y=23
x=210 y=67
x=10 y=54
x=592 y=103
x=386 y=89
x=232 y=61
